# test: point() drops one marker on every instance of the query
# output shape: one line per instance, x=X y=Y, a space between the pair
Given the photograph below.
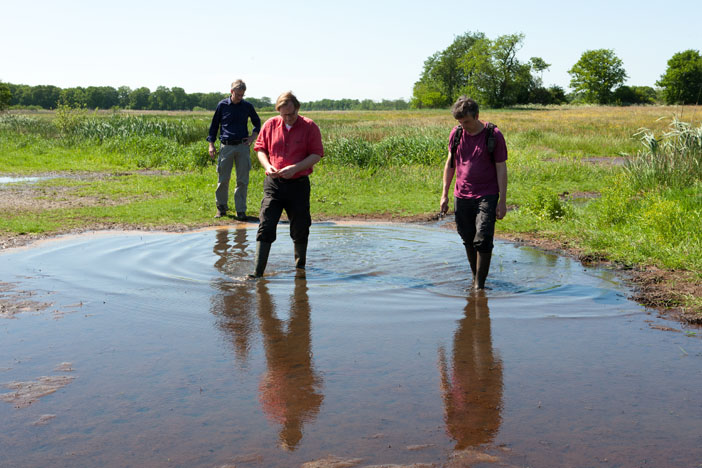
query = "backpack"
x=490 y=139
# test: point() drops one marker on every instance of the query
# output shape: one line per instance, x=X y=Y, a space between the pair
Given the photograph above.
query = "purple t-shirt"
x=475 y=172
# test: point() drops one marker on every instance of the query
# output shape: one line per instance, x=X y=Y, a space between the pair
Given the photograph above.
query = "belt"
x=280 y=180
x=232 y=142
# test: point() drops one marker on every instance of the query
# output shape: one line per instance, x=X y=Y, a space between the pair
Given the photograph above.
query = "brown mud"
x=24 y=394
x=13 y=301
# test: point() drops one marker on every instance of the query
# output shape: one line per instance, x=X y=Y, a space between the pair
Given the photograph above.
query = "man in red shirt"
x=481 y=186
x=287 y=147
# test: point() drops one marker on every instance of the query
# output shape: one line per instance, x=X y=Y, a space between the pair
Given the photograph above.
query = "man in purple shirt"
x=231 y=119
x=481 y=185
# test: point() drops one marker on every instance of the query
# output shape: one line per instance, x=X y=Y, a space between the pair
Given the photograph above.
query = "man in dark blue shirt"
x=231 y=120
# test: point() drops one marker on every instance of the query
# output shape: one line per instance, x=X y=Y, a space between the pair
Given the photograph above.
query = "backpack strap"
x=490 y=139
x=455 y=140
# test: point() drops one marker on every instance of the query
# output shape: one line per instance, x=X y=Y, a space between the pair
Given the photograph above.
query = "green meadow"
x=623 y=183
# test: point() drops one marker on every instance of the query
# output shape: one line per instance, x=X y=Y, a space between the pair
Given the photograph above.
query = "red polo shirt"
x=287 y=147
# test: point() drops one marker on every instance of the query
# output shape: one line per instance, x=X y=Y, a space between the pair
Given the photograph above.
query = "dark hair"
x=464 y=106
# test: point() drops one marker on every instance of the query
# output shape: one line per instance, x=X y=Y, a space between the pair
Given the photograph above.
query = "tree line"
x=107 y=97
x=163 y=98
x=489 y=71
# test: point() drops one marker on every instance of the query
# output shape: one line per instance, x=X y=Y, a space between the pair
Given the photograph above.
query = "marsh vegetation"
x=616 y=183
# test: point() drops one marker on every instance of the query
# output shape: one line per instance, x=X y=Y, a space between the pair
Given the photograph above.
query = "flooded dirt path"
x=154 y=350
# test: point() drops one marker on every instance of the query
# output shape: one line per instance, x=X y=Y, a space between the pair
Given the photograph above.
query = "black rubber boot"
x=301 y=255
x=471 y=254
x=261 y=258
x=483 y=267
x=221 y=211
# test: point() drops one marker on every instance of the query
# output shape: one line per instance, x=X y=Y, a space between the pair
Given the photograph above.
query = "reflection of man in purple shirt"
x=481 y=186
x=231 y=119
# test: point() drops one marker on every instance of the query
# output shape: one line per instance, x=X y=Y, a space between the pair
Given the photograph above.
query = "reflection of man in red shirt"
x=287 y=147
x=290 y=390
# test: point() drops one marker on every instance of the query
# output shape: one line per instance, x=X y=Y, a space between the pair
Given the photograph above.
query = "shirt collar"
x=297 y=121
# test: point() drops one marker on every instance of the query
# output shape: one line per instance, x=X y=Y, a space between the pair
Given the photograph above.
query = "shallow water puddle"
x=153 y=350
x=10 y=180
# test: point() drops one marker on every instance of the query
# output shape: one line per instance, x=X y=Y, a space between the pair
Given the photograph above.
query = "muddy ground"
x=663 y=290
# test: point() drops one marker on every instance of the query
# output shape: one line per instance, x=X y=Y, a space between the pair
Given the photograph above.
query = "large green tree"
x=682 y=82
x=161 y=99
x=139 y=98
x=443 y=78
x=73 y=97
x=495 y=76
x=5 y=96
x=101 y=97
x=596 y=74
x=123 y=93
x=180 y=98
x=487 y=70
x=46 y=96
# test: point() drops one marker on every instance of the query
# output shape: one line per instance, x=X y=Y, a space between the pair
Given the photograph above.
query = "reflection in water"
x=472 y=393
x=290 y=390
x=234 y=306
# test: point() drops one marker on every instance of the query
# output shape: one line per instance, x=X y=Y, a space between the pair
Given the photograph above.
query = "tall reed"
x=672 y=160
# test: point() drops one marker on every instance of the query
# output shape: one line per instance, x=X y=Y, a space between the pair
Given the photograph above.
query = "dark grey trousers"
x=475 y=221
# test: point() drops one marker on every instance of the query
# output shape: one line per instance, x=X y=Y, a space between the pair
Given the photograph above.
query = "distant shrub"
x=547 y=96
x=68 y=119
x=634 y=95
x=545 y=204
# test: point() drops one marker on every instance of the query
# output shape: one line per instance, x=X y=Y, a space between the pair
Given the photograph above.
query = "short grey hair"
x=238 y=84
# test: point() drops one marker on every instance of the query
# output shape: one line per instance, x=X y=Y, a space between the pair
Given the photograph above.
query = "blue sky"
x=320 y=49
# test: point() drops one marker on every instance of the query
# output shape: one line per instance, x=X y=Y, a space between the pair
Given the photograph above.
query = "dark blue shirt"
x=233 y=120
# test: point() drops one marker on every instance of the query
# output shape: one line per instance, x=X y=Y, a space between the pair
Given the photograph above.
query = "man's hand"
x=444 y=205
x=287 y=172
x=249 y=140
x=501 y=209
x=212 y=150
x=272 y=172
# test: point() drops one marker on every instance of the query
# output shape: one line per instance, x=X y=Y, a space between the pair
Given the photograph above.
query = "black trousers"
x=291 y=195
x=475 y=221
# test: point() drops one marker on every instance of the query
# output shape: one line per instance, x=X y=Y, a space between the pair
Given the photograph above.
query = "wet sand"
x=378 y=357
